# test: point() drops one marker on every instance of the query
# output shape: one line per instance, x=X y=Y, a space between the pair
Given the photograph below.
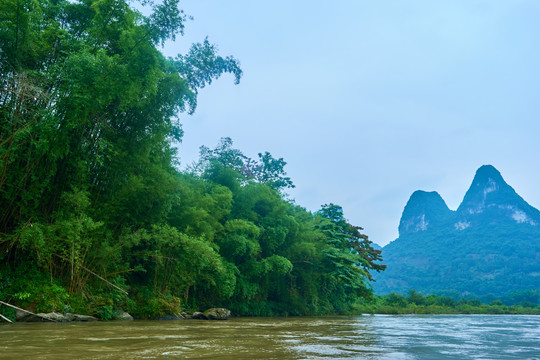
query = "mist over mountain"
x=489 y=245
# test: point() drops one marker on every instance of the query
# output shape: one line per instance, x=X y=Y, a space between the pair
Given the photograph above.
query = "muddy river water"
x=351 y=337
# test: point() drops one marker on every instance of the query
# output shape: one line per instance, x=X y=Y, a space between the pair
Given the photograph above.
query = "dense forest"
x=95 y=213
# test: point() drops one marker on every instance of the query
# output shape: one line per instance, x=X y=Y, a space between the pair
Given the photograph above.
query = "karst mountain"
x=489 y=245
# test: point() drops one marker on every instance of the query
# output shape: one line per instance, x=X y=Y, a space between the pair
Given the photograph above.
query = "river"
x=353 y=337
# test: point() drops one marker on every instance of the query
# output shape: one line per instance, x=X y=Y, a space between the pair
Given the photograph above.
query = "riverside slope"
x=489 y=245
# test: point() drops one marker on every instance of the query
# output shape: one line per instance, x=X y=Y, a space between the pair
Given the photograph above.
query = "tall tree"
x=351 y=256
x=89 y=108
x=266 y=170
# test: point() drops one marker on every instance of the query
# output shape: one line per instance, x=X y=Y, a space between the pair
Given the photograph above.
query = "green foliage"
x=416 y=303
x=201 y=66
x=266 y=170
x=415 y=297
x=173 y=261
x=149 y=306
x=32 y=288
x=277 y=264
x=394 y=299
x=93 y=204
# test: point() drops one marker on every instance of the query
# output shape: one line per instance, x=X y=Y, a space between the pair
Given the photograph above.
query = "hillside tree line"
x=95 y=214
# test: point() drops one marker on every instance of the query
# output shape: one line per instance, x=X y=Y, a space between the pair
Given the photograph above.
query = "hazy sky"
x=368 y=101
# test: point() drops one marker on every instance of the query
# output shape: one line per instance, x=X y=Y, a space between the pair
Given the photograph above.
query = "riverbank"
x=392 y=304
x=22 y=315
x=416 y=303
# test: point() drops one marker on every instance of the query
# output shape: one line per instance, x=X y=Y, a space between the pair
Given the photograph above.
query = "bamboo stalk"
x=5 y=318
x=121 y=272
x=18 y=308
x=93 y=273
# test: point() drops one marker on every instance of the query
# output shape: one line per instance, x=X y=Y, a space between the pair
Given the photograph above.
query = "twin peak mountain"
x=489 y=199
x=489 y=245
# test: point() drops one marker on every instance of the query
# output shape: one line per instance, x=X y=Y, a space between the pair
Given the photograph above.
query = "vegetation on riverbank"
x=97 y=217
x=523 y=303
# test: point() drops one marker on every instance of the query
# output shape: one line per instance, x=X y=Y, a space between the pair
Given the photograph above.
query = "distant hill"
x=489 y=245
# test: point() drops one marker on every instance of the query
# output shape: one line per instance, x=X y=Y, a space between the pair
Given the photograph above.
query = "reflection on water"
x=361 y=337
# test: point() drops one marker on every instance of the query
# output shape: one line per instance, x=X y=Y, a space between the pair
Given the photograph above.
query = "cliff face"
x=490 y=244
x=490 y=198
x=424 y=210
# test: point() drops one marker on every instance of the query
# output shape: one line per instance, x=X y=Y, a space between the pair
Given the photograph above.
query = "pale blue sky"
x=368 y=101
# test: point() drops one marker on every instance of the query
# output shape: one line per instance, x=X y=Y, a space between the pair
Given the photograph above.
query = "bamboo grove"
x=92 y=199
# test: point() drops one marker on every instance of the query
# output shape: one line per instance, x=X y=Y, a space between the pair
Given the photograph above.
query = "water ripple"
x=410 y=337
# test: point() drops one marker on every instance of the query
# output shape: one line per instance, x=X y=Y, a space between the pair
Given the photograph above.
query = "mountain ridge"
x=493 y=236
